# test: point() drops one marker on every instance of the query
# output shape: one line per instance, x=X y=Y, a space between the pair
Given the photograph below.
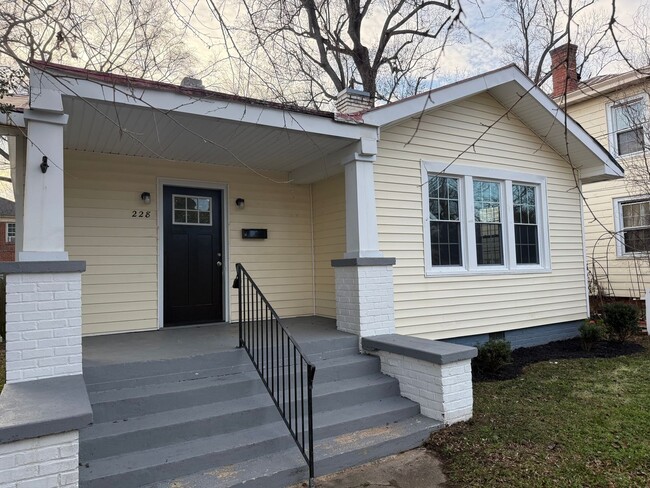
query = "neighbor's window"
x=627 y=122
x=634 y=231
x=11 y=232
x=482 y=220
x=444 y=218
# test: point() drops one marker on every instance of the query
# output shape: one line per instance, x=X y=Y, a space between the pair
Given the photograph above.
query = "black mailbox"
x=254 y=233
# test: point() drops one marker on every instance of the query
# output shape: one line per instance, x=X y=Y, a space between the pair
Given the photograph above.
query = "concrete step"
x=198 y=389
x=121 y=434
x=251 y=446
x=283 y=468
x=147 y=432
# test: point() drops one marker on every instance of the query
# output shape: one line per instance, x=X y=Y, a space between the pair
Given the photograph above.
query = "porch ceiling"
x=113 y=128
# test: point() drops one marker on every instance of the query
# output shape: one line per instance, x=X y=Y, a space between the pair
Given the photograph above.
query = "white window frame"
x=618 y=225
x=10 y=239
x=199 y=224
x=613 y=144
x=466 y=175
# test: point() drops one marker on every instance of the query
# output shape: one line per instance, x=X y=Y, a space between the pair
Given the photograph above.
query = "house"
x=7 y=206
x=614 y=109
x=412 y=231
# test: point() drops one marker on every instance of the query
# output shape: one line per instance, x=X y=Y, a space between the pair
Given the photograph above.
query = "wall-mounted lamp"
x=146 y=197
x=240 y=203
x=44 y=165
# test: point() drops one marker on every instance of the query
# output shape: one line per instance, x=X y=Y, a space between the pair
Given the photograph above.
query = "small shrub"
x=590 y=333
x=621 y=320
x=492 y=356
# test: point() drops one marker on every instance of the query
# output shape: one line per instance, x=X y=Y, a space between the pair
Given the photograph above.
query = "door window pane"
x=488 y=228
x=444 y=217
x=192 y=210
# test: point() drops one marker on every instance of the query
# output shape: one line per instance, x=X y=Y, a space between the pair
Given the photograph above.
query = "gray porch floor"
x=183 y=342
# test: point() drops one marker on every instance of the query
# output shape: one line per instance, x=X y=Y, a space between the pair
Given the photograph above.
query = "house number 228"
x=140 y=214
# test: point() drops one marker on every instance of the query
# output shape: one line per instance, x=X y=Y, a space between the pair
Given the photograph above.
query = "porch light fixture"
x=44 y=165
x=240 y=203
x=146 y=197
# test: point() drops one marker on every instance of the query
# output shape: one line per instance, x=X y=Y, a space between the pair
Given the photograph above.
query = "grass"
x=568 y=423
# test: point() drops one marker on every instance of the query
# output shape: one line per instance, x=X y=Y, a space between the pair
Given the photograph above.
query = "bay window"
x=479 y=220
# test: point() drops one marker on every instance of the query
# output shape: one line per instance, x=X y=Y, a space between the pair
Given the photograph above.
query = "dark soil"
x=568 y=349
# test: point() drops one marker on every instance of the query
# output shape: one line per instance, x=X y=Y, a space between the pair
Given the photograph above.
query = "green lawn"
x=567 y=423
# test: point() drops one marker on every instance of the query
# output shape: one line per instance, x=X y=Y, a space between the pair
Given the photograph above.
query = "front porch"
x=185 y=407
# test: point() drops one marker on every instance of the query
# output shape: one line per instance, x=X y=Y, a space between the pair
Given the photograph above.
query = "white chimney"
x=350 y=101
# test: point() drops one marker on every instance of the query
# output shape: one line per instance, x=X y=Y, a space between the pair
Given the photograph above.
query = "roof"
x=123 y=80
x=508 y=85
x=604 y=84
x=523 y=99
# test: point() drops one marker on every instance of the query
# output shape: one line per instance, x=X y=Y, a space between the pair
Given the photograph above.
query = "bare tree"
x=542 y=25
x=307 y=51
x=135 y=37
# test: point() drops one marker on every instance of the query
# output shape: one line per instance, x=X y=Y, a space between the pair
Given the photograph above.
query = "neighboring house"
x=451 y=215
x=7 y=206
x=615 y=110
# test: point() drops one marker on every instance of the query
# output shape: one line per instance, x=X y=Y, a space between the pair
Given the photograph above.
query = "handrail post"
x=311 y=371
x=238 y=282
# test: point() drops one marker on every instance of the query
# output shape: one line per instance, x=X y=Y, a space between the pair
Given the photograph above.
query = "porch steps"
x=210 y=419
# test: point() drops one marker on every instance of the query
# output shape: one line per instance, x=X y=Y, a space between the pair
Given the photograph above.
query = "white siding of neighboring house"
x=619 y=276
x=120 y=286
x=440 y=307
x=329 y=239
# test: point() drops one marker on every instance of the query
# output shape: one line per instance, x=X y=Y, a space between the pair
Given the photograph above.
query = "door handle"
x=219 y=264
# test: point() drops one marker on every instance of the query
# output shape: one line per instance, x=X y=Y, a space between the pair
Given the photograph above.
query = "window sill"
x=429 y=273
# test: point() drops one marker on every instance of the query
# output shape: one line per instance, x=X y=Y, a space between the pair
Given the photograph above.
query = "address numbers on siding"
x=140 y=214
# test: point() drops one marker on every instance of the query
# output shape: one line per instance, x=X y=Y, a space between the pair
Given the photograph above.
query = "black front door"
x=193 y=261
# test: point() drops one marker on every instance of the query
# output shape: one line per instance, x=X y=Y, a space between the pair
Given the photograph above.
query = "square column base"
x=365 y=296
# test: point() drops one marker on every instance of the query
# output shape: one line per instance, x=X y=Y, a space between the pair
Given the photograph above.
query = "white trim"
x=223 y=187
x=611 y=132
x=584 y=249
x=619 y=238
x=466 y=175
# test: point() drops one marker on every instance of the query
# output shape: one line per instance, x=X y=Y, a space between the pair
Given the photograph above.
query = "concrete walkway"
x=418 y=468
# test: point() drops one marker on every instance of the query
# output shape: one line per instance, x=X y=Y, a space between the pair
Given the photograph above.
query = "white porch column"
x=360 y=209
x=364 y=277
x=42 y=224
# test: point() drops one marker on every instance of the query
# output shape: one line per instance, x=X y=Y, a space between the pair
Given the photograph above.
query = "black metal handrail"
x=281 y=364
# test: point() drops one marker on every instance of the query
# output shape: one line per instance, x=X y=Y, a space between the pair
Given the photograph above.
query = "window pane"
x=526 y=233
x=179 y=202
x=446 y=246
x=637 y=240
x=636 y=214
x=630 y=141
x=629 y=115
x=487 y=205
x=488 y=244
x=487 y=214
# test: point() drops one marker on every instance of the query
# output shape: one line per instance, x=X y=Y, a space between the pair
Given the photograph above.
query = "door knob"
x=219 y=264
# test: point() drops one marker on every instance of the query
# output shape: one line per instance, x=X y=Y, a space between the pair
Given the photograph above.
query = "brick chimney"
x=563 y=69
x=350 y=101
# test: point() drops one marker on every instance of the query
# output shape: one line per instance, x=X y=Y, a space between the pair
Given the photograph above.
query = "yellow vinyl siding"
x=447 y=306
x=329 y=239
x=617 y=276
x=120 y=286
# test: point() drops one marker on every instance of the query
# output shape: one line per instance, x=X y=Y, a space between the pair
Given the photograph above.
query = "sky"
x=484 y=18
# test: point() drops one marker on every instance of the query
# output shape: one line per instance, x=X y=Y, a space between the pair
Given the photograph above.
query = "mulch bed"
x=567 y=349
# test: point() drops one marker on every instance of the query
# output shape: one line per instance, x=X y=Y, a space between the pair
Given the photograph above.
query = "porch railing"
x=283 y=367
